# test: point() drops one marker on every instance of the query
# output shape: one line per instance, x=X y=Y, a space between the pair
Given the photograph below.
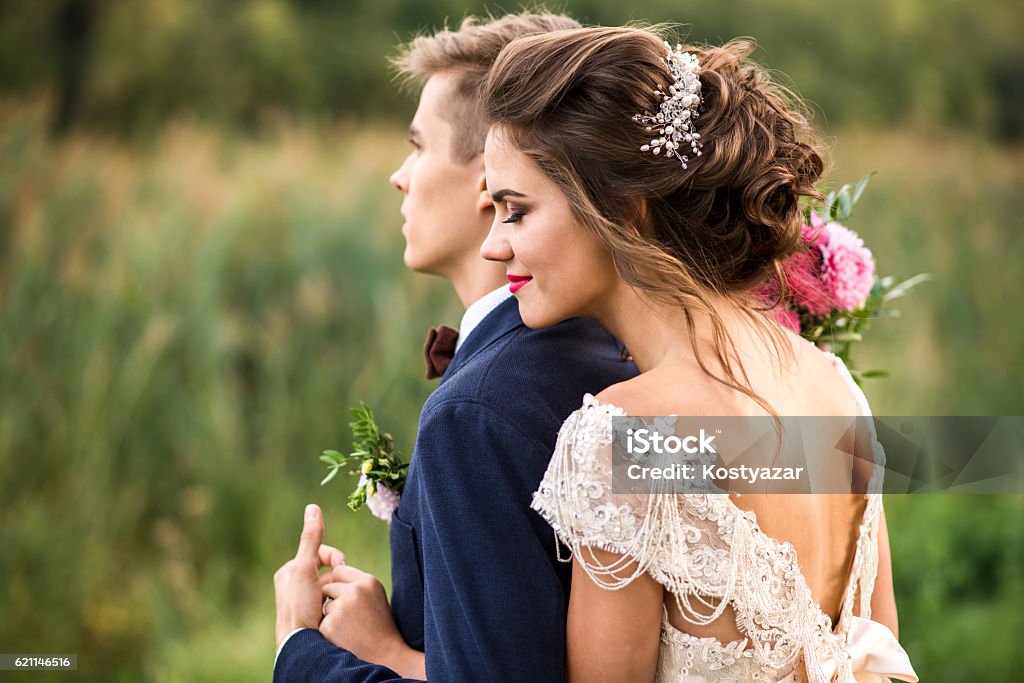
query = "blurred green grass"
x=183 y=328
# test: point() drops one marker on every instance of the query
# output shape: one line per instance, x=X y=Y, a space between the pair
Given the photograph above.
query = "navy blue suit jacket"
x=475 y=580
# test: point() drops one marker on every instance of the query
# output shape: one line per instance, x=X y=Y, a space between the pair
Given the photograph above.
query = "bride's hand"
x=359 y=619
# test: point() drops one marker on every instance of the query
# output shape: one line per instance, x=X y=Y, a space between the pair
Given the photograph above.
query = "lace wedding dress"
x=709 y=555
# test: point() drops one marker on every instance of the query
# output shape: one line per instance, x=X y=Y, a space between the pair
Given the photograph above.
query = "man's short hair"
x=467 y=54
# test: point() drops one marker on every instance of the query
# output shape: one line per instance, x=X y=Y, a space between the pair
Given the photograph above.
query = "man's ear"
x=483 y=201
x=639 y=226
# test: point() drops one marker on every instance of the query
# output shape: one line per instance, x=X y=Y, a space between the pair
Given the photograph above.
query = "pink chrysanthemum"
x=847 y=267
x=788 y=318
x=811 y=234
x=836 y=271
x=804 y=283
x=783 y=313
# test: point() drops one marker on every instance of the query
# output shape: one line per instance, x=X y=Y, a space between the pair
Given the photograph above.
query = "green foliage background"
x=130 y=66
x=200 y=270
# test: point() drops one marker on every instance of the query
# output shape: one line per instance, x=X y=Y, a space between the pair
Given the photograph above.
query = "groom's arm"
x=308 y=657
x=303 y=653
x=494 y=605
x=494 y=608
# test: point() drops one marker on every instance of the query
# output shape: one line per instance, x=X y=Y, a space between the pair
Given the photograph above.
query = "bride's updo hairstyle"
x=720 y=226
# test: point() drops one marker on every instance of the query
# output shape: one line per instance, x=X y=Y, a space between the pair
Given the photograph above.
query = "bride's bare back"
x=822 y=528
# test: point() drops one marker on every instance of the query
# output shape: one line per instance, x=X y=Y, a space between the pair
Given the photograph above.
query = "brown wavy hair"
x=717 y=228
x=468 y=52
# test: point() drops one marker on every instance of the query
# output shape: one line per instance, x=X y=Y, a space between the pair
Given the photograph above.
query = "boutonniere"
x=381 y=469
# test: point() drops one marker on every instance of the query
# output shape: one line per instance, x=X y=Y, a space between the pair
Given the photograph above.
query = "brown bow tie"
x=439 y=349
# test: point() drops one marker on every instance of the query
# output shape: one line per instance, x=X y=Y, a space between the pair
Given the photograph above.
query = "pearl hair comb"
x=673 y=124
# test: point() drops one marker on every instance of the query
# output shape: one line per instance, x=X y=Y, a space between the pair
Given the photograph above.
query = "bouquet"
x=829 y=292
x=381 y=469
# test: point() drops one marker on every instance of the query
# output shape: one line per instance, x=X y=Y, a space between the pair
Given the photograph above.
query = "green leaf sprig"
x=373 y=455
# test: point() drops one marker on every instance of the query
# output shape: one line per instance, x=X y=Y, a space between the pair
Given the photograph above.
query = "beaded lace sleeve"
x=680 y=540
x=575 y=495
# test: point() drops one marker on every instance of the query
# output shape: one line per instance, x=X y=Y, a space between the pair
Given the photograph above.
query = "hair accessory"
x=673 y=124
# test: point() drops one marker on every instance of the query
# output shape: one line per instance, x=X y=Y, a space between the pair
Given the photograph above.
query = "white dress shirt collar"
x=479 y=310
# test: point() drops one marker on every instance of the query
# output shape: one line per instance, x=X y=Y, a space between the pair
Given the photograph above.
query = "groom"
x=477 y=586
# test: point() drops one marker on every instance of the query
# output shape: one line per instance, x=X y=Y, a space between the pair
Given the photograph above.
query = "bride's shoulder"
x=828 y=377
x=656 y=393
x=616 y=396
x=630 y=397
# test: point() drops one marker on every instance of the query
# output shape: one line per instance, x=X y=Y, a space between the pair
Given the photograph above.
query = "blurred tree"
x=1008 y=85
x=74 y=24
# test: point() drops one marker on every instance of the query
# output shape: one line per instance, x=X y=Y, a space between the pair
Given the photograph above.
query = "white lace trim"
x=707 y=553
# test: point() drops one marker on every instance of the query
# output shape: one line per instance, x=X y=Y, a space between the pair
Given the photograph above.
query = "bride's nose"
x=496 y=246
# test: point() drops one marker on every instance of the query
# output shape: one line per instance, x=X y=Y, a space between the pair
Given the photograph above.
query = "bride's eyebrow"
x=500 y=195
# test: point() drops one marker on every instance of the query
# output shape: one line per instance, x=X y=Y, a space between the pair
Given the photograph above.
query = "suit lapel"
x=496 y=325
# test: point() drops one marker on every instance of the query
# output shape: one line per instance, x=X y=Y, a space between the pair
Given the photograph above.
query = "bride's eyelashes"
x=515 y=214
x=514 y=217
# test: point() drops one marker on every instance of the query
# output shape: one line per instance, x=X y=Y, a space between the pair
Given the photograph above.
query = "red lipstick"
x=518 y=282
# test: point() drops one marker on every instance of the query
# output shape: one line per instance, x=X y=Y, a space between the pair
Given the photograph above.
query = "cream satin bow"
x=874 y=653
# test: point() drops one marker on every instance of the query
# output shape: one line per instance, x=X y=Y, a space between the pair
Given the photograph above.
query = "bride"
x=653 y=188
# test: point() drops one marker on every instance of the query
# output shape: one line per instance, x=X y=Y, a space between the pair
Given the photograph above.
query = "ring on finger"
x=323 y=610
